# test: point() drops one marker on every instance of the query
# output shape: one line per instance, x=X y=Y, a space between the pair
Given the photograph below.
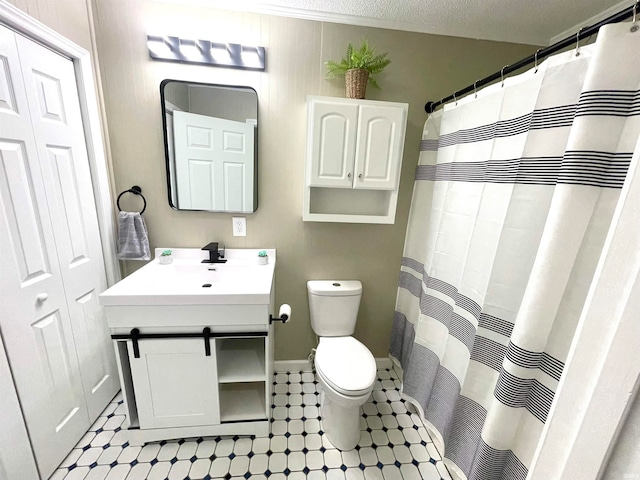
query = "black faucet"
x=214 y=254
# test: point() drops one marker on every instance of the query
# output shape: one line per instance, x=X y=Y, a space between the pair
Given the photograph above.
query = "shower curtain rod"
x=541 y=53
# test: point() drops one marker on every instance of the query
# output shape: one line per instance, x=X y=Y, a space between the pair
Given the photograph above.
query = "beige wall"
x=424 y=67
x=70 y=18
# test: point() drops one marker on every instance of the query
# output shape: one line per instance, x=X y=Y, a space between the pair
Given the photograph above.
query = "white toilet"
x=345 y=368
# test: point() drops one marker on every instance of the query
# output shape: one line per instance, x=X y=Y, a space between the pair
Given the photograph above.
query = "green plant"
x=364 y=57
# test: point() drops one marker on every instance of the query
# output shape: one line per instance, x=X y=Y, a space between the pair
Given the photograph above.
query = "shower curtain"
x=514 y=192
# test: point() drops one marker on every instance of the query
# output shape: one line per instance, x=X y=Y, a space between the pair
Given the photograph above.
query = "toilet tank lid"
x=334 y=287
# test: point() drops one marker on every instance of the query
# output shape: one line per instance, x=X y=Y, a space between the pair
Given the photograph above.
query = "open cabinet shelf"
x=242 y=401
x=241 y=360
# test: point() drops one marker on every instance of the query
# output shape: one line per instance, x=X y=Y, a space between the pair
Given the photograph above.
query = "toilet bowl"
x=346 y=372
x=345 y=368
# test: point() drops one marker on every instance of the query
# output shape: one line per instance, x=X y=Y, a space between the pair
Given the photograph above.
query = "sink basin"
x=187 y=281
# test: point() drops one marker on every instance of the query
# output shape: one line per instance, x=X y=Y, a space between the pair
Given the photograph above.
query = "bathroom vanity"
x=194 y=345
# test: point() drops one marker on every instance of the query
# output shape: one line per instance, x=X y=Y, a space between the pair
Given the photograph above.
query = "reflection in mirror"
x=211 y=146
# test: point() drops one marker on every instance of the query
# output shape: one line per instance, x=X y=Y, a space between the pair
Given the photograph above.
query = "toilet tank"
x=333 y=306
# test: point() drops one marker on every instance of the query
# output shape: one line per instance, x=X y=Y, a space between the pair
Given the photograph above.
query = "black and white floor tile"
x=394 y=445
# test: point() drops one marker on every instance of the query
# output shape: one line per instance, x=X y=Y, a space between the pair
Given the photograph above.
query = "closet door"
x=52 y=96
x=34 y=318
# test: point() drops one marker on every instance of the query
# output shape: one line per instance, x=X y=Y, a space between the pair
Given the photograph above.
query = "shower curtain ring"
x=502 y=75
x=634 y=26
x=475 y=91
x=455 y=99
x=535 y=61
x=578 y=42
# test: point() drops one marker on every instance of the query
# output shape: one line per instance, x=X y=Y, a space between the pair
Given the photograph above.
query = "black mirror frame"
x=163 y=83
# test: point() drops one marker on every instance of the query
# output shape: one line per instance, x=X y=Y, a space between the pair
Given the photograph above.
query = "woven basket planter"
x=356 y=82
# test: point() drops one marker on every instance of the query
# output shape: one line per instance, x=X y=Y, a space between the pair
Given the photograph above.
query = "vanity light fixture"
x=231 y=55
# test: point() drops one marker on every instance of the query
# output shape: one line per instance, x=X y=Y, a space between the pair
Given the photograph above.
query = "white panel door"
x=54 y=106
x=214 y=162
x=34 y=318
x=333 y=143
x=175 y=383
x=379 y=148
x=16 y=456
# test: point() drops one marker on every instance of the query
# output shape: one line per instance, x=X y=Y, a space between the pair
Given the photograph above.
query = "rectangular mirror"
x=211 y=146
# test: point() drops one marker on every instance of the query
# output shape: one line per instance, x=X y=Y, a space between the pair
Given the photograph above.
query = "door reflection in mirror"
x=210 y=135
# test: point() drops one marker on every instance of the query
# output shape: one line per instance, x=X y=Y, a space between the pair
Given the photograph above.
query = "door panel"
x=333 y=144
x=7 y=94
x=52 y=96
x=50 y=104
x=28 y=245
x=380 y=137
x=207 y=149
x=16 y=457
x=175 y=383
x=235 y=185
x=65 y=182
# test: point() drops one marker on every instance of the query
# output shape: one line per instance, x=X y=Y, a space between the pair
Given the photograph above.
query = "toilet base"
x=341 y=417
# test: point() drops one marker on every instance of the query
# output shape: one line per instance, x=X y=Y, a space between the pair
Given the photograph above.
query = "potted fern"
x=358 y=66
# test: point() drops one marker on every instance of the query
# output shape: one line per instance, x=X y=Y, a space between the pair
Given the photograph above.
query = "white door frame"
x=30 y=27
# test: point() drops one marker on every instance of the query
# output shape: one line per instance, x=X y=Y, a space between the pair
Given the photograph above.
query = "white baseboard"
x=305 y=365
x=292 y=366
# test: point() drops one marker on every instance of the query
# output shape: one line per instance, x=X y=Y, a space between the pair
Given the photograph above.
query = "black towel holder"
x=136 y=190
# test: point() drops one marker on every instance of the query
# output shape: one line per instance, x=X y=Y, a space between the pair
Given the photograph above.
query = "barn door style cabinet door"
x=53 y=328
x=354 y=156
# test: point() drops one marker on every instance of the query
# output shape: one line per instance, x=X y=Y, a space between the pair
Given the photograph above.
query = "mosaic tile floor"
x=394 y=445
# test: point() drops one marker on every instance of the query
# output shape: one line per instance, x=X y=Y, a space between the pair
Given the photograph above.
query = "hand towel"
x=133 y=241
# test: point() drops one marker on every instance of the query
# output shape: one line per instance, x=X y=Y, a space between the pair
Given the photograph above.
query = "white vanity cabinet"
x=177 y=384
x=354 y=156
x=194 y=344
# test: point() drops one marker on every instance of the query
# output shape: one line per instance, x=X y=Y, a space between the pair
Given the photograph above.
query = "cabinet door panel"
x=333 y=130
x=175 y=383
x=379 y=147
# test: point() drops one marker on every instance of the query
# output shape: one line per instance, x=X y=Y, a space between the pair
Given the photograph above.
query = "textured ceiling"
x=536 y=22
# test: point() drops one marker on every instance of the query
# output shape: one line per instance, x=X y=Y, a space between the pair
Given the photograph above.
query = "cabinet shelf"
x=353 y=206
x=242 y=401
x=241 y=360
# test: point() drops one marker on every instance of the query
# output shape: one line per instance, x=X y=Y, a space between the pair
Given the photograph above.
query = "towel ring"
x=136 y=190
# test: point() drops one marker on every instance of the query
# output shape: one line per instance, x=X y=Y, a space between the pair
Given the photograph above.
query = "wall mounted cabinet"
x=354 y=156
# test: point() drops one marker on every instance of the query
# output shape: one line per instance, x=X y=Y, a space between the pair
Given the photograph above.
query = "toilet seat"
x=346 y=365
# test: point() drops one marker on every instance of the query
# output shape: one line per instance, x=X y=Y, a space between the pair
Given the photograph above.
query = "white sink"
x=187 y=281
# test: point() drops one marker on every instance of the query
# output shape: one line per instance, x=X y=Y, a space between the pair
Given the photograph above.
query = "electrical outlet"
x=239 y=226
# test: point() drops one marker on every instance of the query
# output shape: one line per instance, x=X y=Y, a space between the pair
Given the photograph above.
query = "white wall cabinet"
x=354 y=156
x=53 y=329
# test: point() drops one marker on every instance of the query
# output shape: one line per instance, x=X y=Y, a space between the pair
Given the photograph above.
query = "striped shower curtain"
x=514 y=193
